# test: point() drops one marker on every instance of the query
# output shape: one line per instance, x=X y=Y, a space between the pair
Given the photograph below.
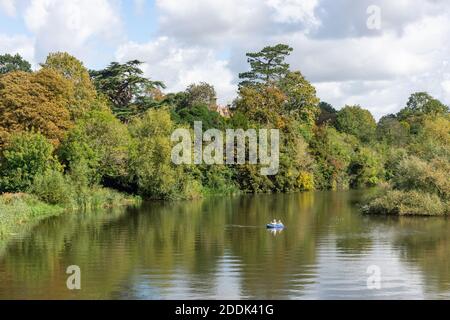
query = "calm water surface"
x=218 y=248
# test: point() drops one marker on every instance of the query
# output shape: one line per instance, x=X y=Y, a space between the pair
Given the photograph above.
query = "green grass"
x=20 y=212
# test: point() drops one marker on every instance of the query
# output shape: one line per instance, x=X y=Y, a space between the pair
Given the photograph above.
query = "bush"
x=306 y=181
x=26 y=155
x=333 y=153
x=100 y=142
x=416 y=174
x=398 y=202
x=366 y=168
x=52 y=187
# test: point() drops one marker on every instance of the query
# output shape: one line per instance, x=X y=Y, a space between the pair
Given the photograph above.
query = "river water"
x=219 y=248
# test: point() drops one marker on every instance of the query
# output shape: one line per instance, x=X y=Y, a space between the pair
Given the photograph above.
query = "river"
x=219 y=248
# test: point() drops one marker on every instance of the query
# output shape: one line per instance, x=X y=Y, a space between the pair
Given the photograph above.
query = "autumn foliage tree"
x=38 y=101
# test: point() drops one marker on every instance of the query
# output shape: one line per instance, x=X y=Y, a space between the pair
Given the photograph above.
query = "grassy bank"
x=419 y=187
x=20 y=212
x=408 y=203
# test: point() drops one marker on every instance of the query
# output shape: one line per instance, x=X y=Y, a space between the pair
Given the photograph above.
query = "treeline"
x=65 y=130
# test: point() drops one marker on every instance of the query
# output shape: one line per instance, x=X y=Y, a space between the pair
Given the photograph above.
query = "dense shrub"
x=399 y=202
x=101 y=142
x=431 y=177
x=27 y=154
x=366 y=168
x=333 y=153
x=52 y=187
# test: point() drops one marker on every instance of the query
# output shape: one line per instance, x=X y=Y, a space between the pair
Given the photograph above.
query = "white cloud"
x=205 y=40
x=20 y=44
x=179 y=67
x=70 y=25
x=419 y=49
x=294 y=11
x=231 y=22
x=9 y=7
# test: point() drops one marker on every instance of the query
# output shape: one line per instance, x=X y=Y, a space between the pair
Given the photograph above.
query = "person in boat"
x=280 y=223
x=274 y=222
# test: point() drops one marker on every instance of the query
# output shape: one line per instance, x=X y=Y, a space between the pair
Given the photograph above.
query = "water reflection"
x=275 y=232
x=220 y=248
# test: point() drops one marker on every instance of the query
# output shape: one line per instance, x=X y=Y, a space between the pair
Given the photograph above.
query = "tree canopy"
x=39 y=101
x=267 y=65
x=124 y=84
x=356 y=121
x=74 y=71
x=203 y=94
x=9 y=63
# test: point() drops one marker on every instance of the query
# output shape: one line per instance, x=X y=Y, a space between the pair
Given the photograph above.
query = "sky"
x=337 y=46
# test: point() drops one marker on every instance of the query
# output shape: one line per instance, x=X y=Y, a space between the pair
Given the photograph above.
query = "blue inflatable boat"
x=275 y=226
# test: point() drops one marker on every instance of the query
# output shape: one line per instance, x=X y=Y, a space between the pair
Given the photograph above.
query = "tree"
x=73 y=70
x=26 y=155
x=356 y=121
x=301 y=97
x=333 y=152
x=392 y=131
x=124 y=84
x=366 y=168
x=202 y=93
x=264 y=106
x=39 y=101
x=9 y=63
x=421 y=103
x=327 y=114
x=100 y=142
x=267 y=65
x=151 y=166
x=210 y=119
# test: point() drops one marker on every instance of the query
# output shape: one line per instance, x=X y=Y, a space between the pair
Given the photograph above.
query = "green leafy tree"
x=73 y=70
x=9 y=63
x=101 y=143
x=151 y=167
x=267 y=65
x=366 y=168
x=202 y=93
x=333 y=152
x=26 y=155
x=356 y=121
x=124 y=84
x=392 y=131
x=302 y=102
x=200 y=112
x=421 y=103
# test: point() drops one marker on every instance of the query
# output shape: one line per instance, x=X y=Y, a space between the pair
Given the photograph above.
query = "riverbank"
x=20 y=212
